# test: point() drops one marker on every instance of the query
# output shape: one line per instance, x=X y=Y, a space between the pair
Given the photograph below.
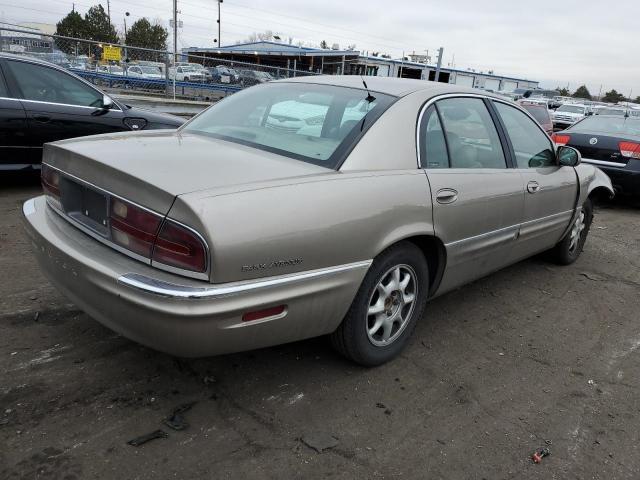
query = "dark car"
x=223 y=74
x=253 y=77
x=610 y=142
x=40 y=103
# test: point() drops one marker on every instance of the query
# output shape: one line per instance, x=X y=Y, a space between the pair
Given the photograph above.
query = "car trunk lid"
x=152 y=168
x=598 y=146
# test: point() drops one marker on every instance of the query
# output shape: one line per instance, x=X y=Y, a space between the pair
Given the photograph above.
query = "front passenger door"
x=477 y=200
x=550 y=190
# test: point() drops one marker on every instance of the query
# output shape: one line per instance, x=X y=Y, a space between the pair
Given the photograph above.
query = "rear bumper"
x=179 y=316
x=624 y=178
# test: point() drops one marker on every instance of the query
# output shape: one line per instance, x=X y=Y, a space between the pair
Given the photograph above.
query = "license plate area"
x=86 y=206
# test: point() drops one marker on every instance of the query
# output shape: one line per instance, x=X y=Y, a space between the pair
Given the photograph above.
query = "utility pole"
x=219 y=24
x=108 y=11
x=175 y=44
x=126 y=55
x=439 y=65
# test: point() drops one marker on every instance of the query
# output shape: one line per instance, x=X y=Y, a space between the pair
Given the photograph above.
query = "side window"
x=44 y=84
x=471 y=134
x=433 y=148
x=532 y=147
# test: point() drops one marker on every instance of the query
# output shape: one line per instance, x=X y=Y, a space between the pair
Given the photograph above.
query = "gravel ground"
x=536 y=355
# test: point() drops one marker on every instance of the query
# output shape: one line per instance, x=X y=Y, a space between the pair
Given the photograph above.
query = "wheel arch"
x=434 y=252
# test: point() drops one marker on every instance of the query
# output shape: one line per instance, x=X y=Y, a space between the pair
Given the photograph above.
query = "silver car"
x=371 y=199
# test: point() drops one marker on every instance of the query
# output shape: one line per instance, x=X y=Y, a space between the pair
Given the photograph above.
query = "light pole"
x=126 y=56
x=219 y=40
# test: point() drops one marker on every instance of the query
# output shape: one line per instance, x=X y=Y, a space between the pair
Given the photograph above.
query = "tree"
x=582 y=92
x=324 y=45
x=73 y=25
x=613 y=97
x=564 y=92
x=143 y=34
x=637 y=100
x=98 y=26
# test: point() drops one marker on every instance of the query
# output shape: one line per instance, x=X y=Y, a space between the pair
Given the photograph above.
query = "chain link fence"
x=127 y=69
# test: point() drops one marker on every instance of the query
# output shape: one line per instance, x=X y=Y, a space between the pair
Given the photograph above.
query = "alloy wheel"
x=576 y=232
x=391 y=305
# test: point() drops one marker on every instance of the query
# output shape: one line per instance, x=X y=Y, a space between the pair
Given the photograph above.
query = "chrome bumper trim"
x=604 y=163
x=172 y=290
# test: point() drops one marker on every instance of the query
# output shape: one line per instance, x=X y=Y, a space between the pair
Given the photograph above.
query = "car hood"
x=153 y=167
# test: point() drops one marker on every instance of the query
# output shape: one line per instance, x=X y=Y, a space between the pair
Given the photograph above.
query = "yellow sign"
x=111 y=53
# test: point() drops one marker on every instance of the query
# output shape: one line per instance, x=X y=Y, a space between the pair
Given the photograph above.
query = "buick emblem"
x=593 y=141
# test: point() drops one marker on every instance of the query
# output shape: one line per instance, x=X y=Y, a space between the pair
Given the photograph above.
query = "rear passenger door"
x=550 y=190
x=477 y=199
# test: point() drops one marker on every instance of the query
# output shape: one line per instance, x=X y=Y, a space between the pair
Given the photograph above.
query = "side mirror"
x=568 y=156
x=107 y=103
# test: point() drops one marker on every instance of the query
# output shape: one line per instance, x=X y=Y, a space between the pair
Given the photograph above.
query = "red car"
x=540 y=112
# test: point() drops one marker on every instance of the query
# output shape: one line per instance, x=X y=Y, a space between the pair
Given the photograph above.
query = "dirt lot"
x=536 y=355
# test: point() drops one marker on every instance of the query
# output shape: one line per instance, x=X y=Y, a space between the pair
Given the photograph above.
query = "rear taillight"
x=50 y=179
x=561 y=139
x=180 y=247
x=630 y=149
x=132 y=227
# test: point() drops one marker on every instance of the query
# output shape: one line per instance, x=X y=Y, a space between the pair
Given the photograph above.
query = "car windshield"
x=539 y=112
x=312 y=123
x=615 y=125
x=153 y=70
x=188 y=69
x=570 y=109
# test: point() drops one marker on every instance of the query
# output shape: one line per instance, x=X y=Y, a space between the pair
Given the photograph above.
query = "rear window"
x=613 y=125
x=540 y=113
x=312 y=123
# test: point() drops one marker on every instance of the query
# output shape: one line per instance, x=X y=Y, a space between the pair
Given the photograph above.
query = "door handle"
x=41 y=118
x=446 y=196
x=533 y=187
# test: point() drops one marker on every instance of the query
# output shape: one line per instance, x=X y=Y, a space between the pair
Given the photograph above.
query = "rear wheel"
x=568 y=250
x=386 y=308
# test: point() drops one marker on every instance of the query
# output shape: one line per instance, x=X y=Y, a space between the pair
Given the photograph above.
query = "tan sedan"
x=305 y=207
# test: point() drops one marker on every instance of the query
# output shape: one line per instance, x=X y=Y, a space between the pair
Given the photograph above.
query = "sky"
x=568 y=43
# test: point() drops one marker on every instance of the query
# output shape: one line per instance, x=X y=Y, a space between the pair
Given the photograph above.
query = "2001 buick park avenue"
x=305 y=207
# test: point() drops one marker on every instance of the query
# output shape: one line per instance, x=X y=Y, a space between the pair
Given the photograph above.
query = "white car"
x=143 y=71
x=568 y=114
x=186 y=73
x=199 y=68
x=110 y=70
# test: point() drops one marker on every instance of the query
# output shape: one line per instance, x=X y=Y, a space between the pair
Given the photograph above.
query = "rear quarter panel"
x=277 y=229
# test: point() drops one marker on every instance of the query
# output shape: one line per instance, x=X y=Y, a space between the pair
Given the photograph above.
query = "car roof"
x=388 y=85
x=26 y=58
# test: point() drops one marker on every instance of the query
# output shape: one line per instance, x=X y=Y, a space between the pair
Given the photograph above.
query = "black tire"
x=564 y=253
x=351 y=338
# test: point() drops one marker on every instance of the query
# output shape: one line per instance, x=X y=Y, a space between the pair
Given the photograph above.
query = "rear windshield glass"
x=613 y=125
x=312 y=123
x=570 y=109
x=610 y=111
x=540 y=113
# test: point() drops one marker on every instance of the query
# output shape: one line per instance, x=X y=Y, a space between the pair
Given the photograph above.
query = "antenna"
x=370 y=98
